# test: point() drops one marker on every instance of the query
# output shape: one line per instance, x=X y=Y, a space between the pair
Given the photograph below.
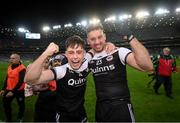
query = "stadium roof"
x=34 y=13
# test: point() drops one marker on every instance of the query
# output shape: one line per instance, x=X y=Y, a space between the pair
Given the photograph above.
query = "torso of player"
x=71 y=85
x=109 y=73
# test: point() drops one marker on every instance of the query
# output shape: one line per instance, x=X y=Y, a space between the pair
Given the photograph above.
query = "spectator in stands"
x=109 y=72
x=14 y=87
x=166 y=64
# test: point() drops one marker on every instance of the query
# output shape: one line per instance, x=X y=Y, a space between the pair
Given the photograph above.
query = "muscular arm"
x=139 y=58
x=35 y=73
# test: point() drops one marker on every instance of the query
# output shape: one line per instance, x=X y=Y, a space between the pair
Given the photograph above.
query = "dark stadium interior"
x=28 y=26
x=154 y=31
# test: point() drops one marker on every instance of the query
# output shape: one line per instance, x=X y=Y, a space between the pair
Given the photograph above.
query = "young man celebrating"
x=71 y=79
x=109 y=71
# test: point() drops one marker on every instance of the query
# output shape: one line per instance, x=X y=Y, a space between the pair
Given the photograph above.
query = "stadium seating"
x=154 y=32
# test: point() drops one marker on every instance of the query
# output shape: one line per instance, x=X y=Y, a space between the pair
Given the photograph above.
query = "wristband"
x=130 y=38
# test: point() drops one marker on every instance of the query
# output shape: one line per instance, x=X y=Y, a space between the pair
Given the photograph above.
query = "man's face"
x=56 y=63
x=166 y=51
x=14 y=59
x=96 y=39
x=75 y=56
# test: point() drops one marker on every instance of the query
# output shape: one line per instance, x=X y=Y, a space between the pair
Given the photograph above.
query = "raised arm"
x=139 y=58
x=35 y=73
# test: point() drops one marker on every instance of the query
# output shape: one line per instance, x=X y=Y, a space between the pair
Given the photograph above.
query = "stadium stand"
x=154 y=32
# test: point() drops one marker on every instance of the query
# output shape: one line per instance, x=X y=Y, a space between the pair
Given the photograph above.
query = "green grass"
x=148 y=107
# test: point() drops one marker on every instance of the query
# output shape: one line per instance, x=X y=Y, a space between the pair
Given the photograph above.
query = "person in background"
x=45 y=106
x=14 y=88
x=57 y=60
x=153 y=74
x=166 y=64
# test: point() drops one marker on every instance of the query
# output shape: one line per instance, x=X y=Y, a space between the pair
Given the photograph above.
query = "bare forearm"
x=141 y=55
x=34 y=72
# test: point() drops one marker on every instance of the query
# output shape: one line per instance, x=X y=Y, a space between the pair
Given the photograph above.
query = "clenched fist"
x=51 y=49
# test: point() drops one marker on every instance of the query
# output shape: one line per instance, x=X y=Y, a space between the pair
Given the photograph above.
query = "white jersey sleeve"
x=60 y=71
x=88 y=56
x=123 y=53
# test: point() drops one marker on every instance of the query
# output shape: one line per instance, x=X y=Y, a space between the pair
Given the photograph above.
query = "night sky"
x=33 y=14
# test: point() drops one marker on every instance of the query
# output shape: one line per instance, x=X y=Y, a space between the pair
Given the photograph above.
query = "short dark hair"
x=92 y=27
x=75 y=40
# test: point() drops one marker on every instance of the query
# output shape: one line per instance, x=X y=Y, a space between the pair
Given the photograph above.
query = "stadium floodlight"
x=22 y=30
x=142 y=14
x=124 y=17
x=177 y=10
x=78 y=24
x=68 y=25
x=57 y=27
x=46 y=28
x=83 y=23
x=110 y=19
x=161 y=11
x=94 y=21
